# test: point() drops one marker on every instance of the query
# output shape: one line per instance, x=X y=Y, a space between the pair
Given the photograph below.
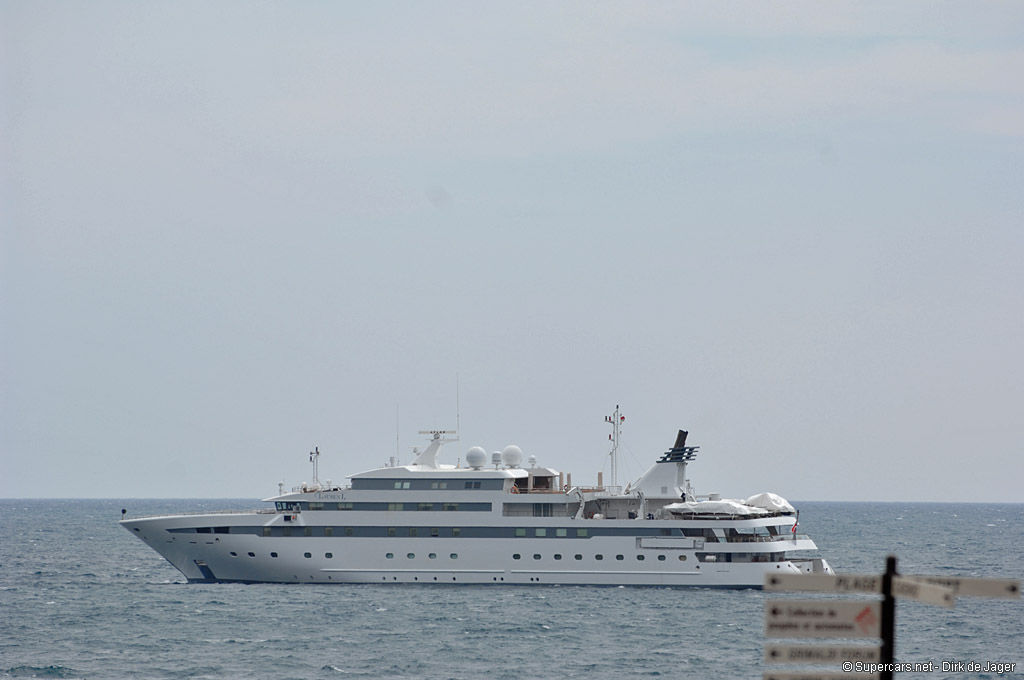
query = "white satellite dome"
x=476 y=457
x=512 y=456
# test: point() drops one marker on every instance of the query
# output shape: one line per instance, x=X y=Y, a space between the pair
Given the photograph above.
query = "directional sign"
x=820 y=676
x=825 y=583
x=821 y=653
x=1003 y=588
x=929 y=593
x=822 y=618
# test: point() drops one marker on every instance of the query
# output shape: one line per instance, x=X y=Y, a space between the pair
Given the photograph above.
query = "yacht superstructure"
x=491 y=520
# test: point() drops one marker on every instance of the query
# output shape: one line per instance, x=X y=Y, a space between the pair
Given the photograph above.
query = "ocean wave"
x=43 y=672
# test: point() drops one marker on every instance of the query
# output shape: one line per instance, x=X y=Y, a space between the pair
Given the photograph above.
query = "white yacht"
x=491 y=520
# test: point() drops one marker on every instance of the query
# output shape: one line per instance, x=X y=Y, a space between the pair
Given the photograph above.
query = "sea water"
x=82 y=598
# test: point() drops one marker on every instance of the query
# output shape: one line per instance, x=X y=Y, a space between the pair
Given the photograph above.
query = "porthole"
x=252 y=554
x=517 y=556
x=536 y=556
x=619 y=557
x=578 y=557
x=234 y=554
x=432 y=556
x=390 y=556
x=329 y=555
x=273 y=554
x=598 y=557
x=682 y=558
x=661 y=558
x=641 y=558
x=557 y=556
x=454 y=556
x=307 y=555
x=411 y=556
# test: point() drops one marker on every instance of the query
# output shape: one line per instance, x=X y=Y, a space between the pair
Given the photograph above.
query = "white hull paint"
x=426 y=559
x=488 y=534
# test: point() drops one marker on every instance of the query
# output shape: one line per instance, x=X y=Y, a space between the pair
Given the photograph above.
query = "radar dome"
x=532 y=460
x=512 y=456
x=476 y=457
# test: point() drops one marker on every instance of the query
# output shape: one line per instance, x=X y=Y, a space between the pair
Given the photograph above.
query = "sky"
x=233 y=232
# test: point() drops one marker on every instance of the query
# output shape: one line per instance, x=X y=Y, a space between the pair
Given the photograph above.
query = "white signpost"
x=776 y=653
x=1002 y=588
x=864 y=618
x=929 y=593
x=825 y=583
x=822 y=618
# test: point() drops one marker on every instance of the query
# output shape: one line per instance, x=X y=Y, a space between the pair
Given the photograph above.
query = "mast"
x=616 y=420
x=314 y=458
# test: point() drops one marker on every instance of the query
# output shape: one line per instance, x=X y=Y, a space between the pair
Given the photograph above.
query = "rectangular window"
x=405 y=485
x=412 y=531
x=581 y=533
x=520 y=533
x=266 y=531
x=398 y=485
x=425 y=506
x=287 y=531
x=391 y=531
x=560 y=533
x=344 y=506
x=540 y=532
x=348 y=531
x=444 y=485
x=433 y=485
x=314 y=505
x=456 y=532
x=476 y=485
x=309 y=531
x=394 y=506
x=328 y=531
x=450 y=507
x=469 y=485
x=435 y=532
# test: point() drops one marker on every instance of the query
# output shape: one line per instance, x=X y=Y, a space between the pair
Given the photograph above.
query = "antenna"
x=314 y=458
x=398 y=458
x=458 y=427
x=616 y=420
